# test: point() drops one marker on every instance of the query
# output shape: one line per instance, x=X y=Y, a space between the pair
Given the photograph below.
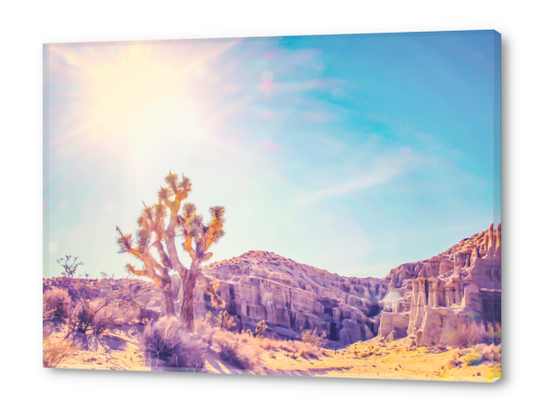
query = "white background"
x=25 y=26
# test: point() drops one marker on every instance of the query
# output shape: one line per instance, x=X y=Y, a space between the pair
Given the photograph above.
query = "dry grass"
x=239 y=350
x=313 y=338
x=295 y=348
x=471 y=334
x=55 y=349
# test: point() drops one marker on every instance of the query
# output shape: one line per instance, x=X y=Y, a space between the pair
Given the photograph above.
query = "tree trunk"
x=187 y=307
x=169 y=301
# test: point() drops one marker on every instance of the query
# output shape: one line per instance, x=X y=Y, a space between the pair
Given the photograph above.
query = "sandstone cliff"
x=423 y=299
x=446 y=293
x=291 y=297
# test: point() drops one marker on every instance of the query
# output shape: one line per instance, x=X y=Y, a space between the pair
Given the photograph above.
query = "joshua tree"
x=154 y=231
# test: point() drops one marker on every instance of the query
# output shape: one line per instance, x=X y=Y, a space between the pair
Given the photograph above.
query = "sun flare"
x=123 y=93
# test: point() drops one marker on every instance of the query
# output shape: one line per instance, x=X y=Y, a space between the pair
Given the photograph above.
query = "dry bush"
x=89 y=320
x=287 y=345
x=56 y=304
x=56 y=349
x=310 y=351
x=94 y=316
x=48 y=313
x=463 y=335
x=483 y=353
x=166 y=345
x=106 y=317
x=241 y=351
x=312 y=337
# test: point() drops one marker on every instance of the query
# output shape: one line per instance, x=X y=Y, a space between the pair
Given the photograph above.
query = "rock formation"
x=422 y=299
x=446 y=293
x=292 y=297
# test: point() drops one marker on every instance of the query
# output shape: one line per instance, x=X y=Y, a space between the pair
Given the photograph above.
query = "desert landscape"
x=260 y=313
x=355 y=230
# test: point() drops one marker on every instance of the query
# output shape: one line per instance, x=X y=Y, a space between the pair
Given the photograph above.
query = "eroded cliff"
x=447 y=293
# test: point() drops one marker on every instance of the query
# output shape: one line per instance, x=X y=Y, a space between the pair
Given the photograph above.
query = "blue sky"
x=351 y=153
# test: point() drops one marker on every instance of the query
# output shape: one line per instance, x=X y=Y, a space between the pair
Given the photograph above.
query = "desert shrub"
x=313 y=338
x=311 y=351
x=483 y=353
x=240 y=351
x=287 y=346
x=105 y=317
x=95 y=316
x=56 y=304
x=464 y=335
x=166 y=345
x=55 y=349
x=48 y=313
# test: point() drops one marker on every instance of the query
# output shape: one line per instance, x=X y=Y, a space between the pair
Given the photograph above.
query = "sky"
x=350 y=153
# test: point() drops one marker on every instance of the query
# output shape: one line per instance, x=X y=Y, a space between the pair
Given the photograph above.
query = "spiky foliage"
x=260 y=328
x=158 y=226
x=225 y=321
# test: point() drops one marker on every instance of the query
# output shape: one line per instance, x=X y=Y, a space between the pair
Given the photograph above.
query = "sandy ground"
x=117 y=351
x=368 y=360
x=395 y=360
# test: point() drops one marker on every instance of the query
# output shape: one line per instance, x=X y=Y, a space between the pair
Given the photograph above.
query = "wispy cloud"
x=385 y=169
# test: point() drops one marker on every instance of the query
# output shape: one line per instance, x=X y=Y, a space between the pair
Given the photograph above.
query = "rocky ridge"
x=292 y=297
x=422 y=299
x=446 y=293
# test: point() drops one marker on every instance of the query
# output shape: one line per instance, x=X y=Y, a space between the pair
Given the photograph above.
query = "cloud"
x=386 y=168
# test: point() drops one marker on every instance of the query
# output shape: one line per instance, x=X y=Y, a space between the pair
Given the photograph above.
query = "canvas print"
x=323 y=206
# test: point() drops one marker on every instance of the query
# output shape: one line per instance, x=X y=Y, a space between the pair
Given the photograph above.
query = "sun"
x=122 y=91
x=131 y=90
